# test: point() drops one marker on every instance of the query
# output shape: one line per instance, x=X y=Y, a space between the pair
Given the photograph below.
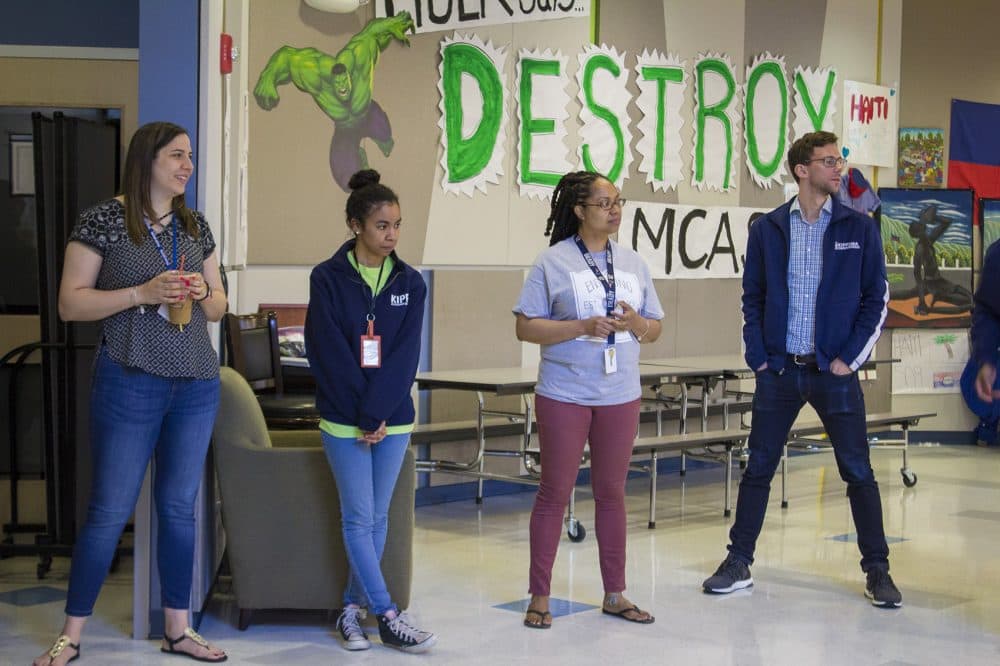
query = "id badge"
x=371 y=351
x=610 y=361
x=371 y=348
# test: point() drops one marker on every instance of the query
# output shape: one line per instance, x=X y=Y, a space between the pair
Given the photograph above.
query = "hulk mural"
x=342 y=87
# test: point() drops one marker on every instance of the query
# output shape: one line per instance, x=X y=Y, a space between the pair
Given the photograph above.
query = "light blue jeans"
x=133 y=416
x=366 y=476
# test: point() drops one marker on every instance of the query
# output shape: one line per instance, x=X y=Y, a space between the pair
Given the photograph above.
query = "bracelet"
x=208 y=293
x=639 y=338
x=133 y=300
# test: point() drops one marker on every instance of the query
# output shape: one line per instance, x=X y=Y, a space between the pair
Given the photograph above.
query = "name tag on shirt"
x=610 y=361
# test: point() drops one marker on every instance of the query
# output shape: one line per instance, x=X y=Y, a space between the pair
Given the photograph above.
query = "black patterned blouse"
x=139 y=337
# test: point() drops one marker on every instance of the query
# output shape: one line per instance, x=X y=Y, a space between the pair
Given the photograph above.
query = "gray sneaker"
x=881 y=590
x=349 y=625
x=731 y=575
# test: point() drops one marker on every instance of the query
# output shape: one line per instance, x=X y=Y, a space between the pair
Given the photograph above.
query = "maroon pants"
x=563 y=429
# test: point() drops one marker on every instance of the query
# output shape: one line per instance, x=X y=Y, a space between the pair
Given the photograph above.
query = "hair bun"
x=364 y=178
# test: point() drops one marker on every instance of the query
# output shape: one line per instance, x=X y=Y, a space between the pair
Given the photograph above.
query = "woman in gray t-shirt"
x=135 y=263
x=589 y=303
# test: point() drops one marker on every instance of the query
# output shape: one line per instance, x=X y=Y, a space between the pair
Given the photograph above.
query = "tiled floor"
x=807 y=606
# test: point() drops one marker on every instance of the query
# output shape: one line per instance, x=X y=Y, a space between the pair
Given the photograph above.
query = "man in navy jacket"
x=814 y=301
x=986 y=325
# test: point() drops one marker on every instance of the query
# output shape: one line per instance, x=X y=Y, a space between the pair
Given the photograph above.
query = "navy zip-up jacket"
x=986 y=312
x=339 y=302
x=850 y=302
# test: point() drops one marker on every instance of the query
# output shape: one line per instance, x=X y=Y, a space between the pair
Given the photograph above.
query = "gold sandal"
x=194 y=637
x=60 y=646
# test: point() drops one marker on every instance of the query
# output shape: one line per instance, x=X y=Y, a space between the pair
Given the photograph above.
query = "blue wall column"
x=168 y=66
x=168 y=90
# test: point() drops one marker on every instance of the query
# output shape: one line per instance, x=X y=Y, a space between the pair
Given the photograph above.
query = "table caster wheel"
x=44 y=564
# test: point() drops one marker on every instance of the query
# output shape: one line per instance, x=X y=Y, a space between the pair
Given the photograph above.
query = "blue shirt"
x=805 y=267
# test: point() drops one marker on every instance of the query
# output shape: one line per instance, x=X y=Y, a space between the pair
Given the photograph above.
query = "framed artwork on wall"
x=989 y=209
x=921 y=157
x=927 y=239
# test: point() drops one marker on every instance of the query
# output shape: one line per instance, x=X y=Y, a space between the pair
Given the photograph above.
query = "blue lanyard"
x=607 y=282
x=159 y=247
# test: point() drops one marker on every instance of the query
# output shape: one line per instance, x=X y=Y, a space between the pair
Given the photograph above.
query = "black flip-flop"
x=540 y=614
x=631 y=609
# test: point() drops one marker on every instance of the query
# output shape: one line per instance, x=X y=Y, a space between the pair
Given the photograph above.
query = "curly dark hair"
x=572 y=189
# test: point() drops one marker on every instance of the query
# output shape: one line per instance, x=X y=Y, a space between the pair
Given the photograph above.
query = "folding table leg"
x=784 y=477
x=652 y=490
x=729 y=480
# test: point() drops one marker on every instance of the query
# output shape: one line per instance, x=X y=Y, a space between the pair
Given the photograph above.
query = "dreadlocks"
x=573 y=188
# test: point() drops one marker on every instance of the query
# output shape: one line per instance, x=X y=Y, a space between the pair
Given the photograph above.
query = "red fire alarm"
x=225 y=53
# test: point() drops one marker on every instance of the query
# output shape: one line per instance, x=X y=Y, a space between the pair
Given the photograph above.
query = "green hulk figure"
x=342 y=87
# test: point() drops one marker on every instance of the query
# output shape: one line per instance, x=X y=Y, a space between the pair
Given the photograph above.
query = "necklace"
x=158 y=222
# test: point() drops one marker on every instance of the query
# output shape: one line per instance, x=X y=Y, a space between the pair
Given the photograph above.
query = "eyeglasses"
x=829 y=161
x=606 y=204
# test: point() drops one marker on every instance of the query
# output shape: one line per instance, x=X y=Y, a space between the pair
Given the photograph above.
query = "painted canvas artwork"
x=921 y=157
x=991 y=221
x=927 y=238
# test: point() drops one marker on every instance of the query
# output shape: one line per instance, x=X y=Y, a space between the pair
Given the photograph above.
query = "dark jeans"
x=133 y=416
x=840 y=405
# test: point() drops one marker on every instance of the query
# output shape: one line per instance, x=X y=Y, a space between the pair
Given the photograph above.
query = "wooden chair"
x=288 y=314
x=253 y=352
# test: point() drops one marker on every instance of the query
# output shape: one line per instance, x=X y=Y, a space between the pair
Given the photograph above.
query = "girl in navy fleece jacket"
x=363 y=341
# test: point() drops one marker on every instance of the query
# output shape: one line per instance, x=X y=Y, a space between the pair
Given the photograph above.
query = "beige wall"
x=99 y=84
x=949 y=51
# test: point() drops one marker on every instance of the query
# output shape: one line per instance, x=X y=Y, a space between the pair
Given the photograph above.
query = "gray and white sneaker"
x=399 y=633
x=731 y=575
x=349 y=625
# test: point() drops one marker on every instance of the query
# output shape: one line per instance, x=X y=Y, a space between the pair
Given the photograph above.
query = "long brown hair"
x=146 y=143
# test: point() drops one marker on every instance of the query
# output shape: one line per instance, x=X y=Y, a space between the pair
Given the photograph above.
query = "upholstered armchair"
x=281 y=513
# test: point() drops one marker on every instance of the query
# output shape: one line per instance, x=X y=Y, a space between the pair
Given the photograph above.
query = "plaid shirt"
x=805 y=267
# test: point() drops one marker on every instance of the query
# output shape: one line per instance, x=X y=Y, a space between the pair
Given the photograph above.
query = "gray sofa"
x=281 y=513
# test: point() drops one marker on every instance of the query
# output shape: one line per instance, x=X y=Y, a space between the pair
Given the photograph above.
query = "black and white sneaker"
x=731 y=575
x=881 y=590
x=397 y=632
x=349 y=625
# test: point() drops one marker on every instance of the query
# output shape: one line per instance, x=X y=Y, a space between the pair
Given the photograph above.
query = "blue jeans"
x=366 y=476
x=841 y=407
x=133 y=416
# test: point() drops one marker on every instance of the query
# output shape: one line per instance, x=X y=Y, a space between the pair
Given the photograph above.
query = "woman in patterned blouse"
x=129 y=261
